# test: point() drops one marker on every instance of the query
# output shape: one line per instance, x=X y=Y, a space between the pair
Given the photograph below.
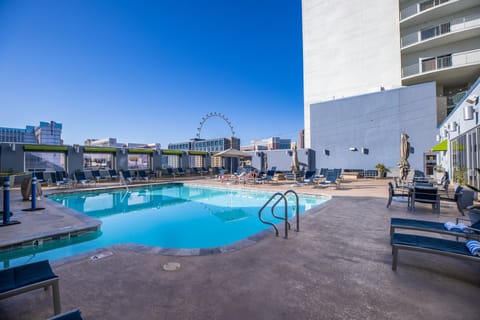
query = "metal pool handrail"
x=285 y=219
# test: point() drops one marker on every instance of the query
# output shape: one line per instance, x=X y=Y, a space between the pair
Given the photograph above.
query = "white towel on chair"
x=459 y=227
x=474 y=247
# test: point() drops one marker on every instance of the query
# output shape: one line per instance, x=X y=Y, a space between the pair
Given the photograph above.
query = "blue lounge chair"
x=142 y=174
x=331 y=178
x=74 y=314
x=450 y=248
x=268 y=177
x=113 y=174
x=433 y=226
x=96 y=175
x=28 y=277
x=80 y=177
x=128 y=176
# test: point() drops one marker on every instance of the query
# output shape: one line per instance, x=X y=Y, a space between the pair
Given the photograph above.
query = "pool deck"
x=337 y=267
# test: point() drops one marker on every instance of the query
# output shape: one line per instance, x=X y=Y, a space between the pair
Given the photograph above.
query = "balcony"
x=428 y=10
x=447 y=69
x=453 y=31
x=419 y=7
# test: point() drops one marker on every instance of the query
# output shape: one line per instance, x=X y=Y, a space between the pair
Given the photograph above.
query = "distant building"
x=301 y=139
x=45 y=133
x=49 y=133
x=112 y=142
x=273 y=143
x=207 y=145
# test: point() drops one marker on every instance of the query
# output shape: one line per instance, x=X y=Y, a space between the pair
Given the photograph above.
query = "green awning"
x=442 y=146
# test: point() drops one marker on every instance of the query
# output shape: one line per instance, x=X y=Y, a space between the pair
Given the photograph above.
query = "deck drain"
x=171 y=266
x=101 y=255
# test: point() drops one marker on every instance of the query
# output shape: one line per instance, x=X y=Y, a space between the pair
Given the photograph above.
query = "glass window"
x=139 y=161
x=97 y=161
x=49 y=161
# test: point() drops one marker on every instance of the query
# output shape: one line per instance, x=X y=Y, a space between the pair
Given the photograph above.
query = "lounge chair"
x=268 y=177
x=179 y=172
x=28 y=277
x=74 y=314
x=80 y=177
x=309 y=176
x=450 y=248
x=330 y=179
x=113 y=174
x=433 y=226
x=127 y=176
x=96 y=175
x=143 y=175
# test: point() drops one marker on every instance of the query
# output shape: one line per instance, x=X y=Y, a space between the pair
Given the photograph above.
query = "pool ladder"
x=281 y=196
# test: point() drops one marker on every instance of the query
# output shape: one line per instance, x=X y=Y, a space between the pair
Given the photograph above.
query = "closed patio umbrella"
x=295 y=162
x=403 y=165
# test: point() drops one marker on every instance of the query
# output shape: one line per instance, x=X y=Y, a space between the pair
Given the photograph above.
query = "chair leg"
x=394 y=258
x=57 y=309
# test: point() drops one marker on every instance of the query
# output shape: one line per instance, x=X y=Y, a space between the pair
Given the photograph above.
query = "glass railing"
x=456 y=25
x=419 y=7
x=442 y=62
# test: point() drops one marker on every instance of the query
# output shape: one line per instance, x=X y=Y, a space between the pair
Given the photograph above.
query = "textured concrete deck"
x=337 y=267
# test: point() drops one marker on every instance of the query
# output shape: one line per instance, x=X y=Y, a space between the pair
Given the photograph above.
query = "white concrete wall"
x=374 y=121
x=349 y=48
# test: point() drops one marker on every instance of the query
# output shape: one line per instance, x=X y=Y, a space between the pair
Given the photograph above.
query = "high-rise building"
x=14 y=135
x=49 y=133
x=351 y=48
x=356 y=58
x=440 y=41
x=45 y=133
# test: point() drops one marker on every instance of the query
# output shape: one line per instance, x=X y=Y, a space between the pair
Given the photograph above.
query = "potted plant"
x=381 y=169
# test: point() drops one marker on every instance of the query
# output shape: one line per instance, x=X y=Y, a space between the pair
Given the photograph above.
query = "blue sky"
x=148 y=71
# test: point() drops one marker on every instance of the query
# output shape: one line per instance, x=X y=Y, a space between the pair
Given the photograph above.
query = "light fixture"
x=12 y=146
x=437 y=137
x=365 y=150
x=452 y=126
x=468 y=112
x=326 y=152
x=473 y=99
x=353 y=149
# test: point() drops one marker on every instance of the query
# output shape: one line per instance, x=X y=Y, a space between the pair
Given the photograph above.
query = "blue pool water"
x=169 y=216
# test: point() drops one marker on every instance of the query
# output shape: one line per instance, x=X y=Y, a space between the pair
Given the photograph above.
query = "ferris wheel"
x=211 y=115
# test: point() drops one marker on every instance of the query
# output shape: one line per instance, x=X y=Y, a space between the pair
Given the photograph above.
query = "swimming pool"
x=170 y=216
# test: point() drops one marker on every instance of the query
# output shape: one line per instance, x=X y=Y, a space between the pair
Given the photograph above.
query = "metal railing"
x=419 y=7
x=281 y=196
x=456 y=25
x=442 y=62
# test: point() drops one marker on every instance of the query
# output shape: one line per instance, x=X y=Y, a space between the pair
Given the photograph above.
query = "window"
x=429 y=64
x=96 y=161
x=50 y=161
x=444 y=61
x=138 y=161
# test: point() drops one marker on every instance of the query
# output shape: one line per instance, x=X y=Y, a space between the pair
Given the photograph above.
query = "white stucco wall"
x=349 y=48
x=374 y=121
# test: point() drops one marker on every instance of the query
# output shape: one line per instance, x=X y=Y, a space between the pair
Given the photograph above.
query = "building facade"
x=351 y=50
x=273 y=143
x=44 y=133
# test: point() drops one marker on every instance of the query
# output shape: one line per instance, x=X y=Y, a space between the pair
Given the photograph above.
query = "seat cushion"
x=32 y=273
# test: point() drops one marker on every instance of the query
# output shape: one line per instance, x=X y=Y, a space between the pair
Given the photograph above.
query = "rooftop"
x=337 y=267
